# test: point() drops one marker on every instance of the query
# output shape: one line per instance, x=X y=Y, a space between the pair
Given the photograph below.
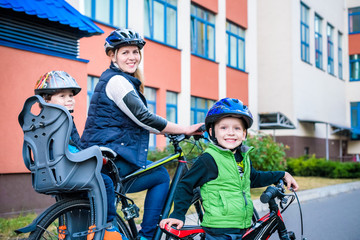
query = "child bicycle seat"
x=54 y=169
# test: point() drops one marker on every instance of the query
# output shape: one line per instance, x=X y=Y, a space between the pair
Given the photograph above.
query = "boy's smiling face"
x=230 y=132
x=64 y=98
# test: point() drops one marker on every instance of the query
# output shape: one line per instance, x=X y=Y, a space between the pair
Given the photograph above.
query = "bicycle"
x=262 y=228
x=77 y=214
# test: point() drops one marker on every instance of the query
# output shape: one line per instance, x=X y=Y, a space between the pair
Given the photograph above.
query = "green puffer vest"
x=226 y=199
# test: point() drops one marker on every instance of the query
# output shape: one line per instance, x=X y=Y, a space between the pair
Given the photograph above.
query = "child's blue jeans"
x=109 y=185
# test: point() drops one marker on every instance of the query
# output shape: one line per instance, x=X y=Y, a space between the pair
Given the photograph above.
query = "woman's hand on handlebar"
x=173 y=128
x=196 y=129
x=290 y=181
x=170 y=222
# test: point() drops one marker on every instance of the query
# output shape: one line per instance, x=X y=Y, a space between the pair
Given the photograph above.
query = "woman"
x=118 y=118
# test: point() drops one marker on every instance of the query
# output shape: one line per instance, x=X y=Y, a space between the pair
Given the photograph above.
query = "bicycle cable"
x=301 y=218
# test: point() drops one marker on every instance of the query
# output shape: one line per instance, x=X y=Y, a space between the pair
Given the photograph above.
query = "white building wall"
x=274 y=57
x=318 y=94
x=251 y=49
x=287 y=84
x=184 y=44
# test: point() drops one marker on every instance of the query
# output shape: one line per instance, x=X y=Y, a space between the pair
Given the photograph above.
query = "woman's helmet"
x=123 y=37
x=228 y=107
x=53 y=81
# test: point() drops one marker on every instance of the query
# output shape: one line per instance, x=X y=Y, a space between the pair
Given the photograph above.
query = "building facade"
x=304 y=85
x=195 y=53
x=295 y=63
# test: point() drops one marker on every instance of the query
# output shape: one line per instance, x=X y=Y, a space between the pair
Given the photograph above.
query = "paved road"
x=335 y=217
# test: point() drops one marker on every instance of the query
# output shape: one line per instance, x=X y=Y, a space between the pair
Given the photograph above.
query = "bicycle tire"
x=47 y=228
x=123 y=228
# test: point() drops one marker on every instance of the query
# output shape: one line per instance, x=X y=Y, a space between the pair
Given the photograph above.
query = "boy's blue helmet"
x=123 y=37
x=228 y=107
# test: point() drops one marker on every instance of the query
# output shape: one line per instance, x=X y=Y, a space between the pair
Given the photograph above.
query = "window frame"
x=151 y=21
x=172 y=106
x=89 y=92
x=340 y=57
x=354 y=61
x=239 y=39
x=111 y=13
x=195 y=109
x=350 y=19
x=152 y=103
x=330 y=49
x=304 y=44
x=318 y=42
x=355 y=106
x=194 y=19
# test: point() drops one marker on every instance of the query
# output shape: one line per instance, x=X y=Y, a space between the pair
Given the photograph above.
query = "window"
x=330 y=49
x=202 y=33
x=161 y=21
x=91 y=84
x=318 y=42
x=354 y=20
x=171 y=106
x=235 y=46
x=304 y=31
x=112 y=12
x=355 y=67
x=340 y=60
x=355 y=119
x=199 y=108
x=150 y=94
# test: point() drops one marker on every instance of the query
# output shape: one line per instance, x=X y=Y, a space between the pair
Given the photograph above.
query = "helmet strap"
x=212 y=135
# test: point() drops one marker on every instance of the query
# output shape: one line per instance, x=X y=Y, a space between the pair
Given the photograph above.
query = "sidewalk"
x=315 y=193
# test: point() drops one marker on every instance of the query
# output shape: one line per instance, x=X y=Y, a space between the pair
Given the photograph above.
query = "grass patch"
x=8 y=225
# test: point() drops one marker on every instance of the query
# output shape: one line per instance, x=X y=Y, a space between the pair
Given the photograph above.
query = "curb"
x=315 y=193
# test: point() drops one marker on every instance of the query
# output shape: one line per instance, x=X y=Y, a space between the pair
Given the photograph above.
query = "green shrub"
x=268 y=155
x=320 y=167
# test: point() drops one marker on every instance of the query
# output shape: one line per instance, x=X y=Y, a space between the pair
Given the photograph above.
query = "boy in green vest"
x=224 y=174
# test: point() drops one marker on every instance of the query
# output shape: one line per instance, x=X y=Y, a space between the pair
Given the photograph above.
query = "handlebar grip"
x=202 y=128
x=268 y=194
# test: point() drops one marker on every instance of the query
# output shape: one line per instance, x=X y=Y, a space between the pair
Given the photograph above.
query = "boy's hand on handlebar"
x=170 y=222
x=290 y=181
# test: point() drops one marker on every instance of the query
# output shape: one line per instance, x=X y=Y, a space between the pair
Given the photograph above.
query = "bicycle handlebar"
x=272 y=192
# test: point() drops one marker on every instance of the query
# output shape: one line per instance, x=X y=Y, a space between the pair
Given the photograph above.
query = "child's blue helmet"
x=123 y=37
x=228 y=107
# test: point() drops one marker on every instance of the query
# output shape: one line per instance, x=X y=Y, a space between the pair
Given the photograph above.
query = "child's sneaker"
x=113 y=233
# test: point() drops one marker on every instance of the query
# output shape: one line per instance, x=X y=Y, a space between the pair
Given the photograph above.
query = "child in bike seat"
x=58 y=87
x=225 y=174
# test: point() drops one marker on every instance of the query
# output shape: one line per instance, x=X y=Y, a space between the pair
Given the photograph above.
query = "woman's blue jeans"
x=156 y=182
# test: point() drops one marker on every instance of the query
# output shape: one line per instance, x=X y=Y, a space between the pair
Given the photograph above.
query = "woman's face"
x=127 y=58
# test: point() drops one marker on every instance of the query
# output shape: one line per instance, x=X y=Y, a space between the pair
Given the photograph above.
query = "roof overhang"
x=336 y=128
x=274 y=120
x=58 y=13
